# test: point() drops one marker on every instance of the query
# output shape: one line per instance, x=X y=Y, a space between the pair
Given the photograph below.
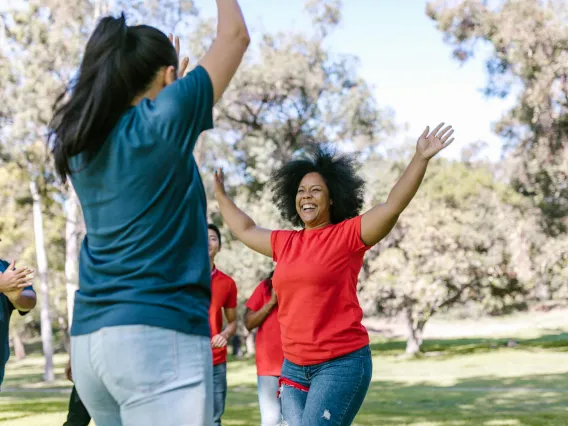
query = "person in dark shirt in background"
x=16 y=293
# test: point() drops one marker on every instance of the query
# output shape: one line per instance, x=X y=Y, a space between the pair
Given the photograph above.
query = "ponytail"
x=119 y=63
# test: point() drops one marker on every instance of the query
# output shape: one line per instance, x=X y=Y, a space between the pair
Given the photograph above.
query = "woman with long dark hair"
x=262 y=313
x=327 y=367
x=124 y=133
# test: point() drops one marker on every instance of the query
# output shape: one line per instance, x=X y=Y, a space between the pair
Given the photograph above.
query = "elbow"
x=244 y=37
x=26 y=303
x=249 y=325
x=239 y=35
x=394 y=209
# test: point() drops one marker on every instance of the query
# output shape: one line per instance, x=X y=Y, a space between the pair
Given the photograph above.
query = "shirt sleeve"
x=184 y=109
x=351 y=234
x=279 y=240
x=256 y=301
x=231 y=301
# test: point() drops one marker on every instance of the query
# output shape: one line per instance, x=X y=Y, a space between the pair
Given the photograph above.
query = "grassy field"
x=458 y=382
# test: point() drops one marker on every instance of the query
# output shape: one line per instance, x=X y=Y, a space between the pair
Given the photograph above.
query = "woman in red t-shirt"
x=327 y=367
x=262 y=311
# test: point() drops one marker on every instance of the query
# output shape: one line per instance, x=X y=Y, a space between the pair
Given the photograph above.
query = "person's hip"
x=141 y=358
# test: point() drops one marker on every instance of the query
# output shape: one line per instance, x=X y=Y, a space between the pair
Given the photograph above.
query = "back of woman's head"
x=119 y=63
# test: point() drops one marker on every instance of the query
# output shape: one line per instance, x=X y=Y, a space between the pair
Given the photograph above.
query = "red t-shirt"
x=316 y=284
x=269 y=355
x=223 y=296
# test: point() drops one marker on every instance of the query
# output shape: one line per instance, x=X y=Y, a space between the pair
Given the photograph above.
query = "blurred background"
x=465 y=300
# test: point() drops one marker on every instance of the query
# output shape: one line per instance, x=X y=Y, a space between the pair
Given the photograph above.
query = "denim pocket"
x=140 y=357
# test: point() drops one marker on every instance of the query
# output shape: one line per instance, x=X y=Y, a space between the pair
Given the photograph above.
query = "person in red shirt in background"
x=223 y=300
x=327 y=367
x=262 y=311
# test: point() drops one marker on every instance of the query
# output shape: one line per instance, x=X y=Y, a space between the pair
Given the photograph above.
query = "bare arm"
x=378 y=222
x=254 y=319
x=229 y=47
x=231 y=328
x=220 y=340
x=241 y=225
x=23 y=300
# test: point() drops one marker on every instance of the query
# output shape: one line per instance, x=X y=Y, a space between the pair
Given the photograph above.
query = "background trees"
x=492 y=236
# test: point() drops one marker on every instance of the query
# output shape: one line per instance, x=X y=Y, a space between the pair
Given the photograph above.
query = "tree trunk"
x=414 y=333
x=72 y=219
x=19 y=348
x=46 y=332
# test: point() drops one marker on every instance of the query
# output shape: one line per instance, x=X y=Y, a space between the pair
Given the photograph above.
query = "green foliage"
x=529 y=41
x=457 y=242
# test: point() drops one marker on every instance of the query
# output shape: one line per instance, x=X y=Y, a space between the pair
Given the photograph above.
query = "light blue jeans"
x=332 y=393
x=139 y=375
x=270 y=409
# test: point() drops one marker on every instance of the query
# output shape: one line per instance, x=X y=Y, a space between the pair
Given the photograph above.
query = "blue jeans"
x=139 y=375
x=270 y=409
x=219 y=392
x=337 y=388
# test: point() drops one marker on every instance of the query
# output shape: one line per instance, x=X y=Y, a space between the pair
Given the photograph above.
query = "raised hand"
x=429 y=145
x=183 y=62
x=219 y=183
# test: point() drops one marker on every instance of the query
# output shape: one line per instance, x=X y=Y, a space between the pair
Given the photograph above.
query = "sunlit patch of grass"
x=467 y=382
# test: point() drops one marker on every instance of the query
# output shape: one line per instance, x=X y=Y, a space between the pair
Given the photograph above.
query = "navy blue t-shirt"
x=144 y=259
x=6 y=309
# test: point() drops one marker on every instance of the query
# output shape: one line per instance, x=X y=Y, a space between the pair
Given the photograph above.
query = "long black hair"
x=339 y=172
x=119 y=63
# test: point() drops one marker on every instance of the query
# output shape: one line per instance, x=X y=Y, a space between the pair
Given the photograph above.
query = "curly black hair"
x=346 y=187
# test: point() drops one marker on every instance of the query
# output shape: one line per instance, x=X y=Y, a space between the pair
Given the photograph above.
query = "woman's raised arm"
x=240 y=224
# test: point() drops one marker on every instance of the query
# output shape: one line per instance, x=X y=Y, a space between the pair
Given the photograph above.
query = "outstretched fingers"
x=436 y=130
x=443 y=132
x=446 y=137
x=446 y=144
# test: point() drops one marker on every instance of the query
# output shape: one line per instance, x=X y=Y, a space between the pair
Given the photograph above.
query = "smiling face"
x=312 y=201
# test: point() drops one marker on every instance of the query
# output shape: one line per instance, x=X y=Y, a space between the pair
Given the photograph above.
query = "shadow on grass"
x=531 y=400
x=456 y=347
x=543 y=400
x=24 y=404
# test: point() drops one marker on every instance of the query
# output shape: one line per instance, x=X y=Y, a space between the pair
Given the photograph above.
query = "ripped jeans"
x=326 y=394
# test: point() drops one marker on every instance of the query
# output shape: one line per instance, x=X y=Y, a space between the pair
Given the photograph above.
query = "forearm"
x=255 y=319
x=237 y=220
x=230 y=330
x=231 y=22
x=407 y=186
x=22 y=301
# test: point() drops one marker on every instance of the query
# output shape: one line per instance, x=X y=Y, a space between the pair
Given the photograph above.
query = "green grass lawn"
x=458 y=382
